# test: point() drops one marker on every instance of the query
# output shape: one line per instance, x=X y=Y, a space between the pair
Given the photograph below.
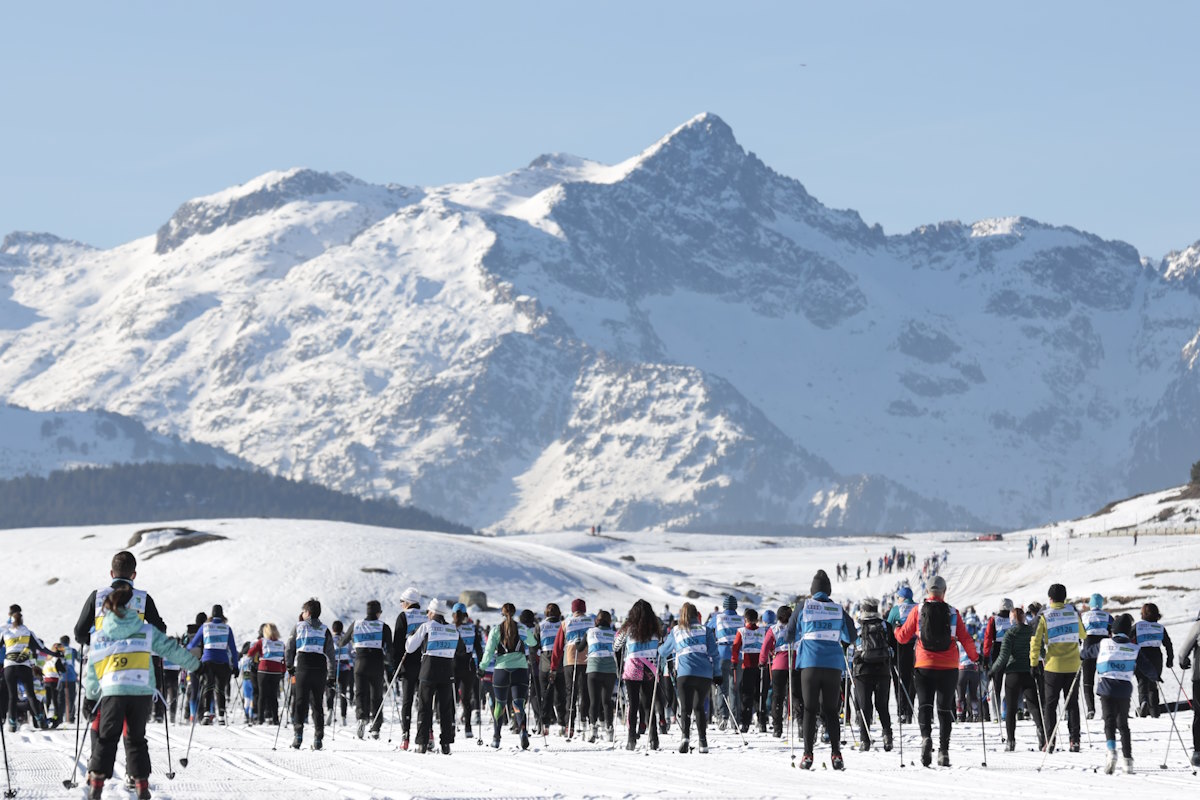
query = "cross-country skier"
x=21 y=647
x=1115 y=664
x=639 y=639
x=337 y=691
x=246 y=684
x=1189 y=656
x=310 y=660
x=1097 y=626
x=1151 y=637
x=372 y=641
x=553 y=684
x=935 y=625
x=1012 y=661
x=510 y=678
x=216 y=664
x=697 y=664
x=785 y=672
x=905 y=653
x=601 y=674
x=270 y=651
x=570 y=656
x=465 y=680
x=439 y=644
x=747 y=646
x=725 y=624
x=821 y=627
x=872 y=669
x=407 y=621
x=993 y=637
x=120 y=676
x=1060 y=630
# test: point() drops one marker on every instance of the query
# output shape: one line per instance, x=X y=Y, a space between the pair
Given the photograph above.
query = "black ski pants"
x=936 y=687
x=339 y=693
x=121 y=716
x=693 y=690
x=21 y=675
x=970 y=693
x=600 y=689
x=309 y=691
x=410 y=686
x=1061 y=684
x=554 y=698
x=1088 y=678
x=368 y=694
x=905 y=660
x=748 y=694
x=267 y=692
x=872 y=693
x=1116 y=718
x=1016 y=686
x=443 y=694
x=641 y=708
x=170 y=692
x=216 y=681
x=466 y=685
x=779 y=698
x=821 y=688
x=576 y=675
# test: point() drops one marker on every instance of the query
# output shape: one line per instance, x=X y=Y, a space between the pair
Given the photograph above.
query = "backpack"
x=874 y=648
x=934 y=626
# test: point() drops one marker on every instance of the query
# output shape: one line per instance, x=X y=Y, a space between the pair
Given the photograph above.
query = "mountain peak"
x=264 y=193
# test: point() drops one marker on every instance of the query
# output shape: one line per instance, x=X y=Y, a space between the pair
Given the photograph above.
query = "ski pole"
x=907 y=699
x=851 y=692
x=1174 y=713
x=791 y=738
x=982 y=733
x=71 y=782
x=1058 y=721
x=167 y=728
x=10 y=791
x=287 y=693
x=652 y=728
x=395 y=677
x=736 y=726
x=571 y=710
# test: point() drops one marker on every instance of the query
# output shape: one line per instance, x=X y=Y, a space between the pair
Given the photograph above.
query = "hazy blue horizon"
x=1076 y=114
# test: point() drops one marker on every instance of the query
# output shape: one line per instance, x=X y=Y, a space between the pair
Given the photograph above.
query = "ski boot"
x=496 y=742
x=926 y=751
x=595 y=734
x=943 y=758
x=404 y=744
x=683 y=745
x=317 y=741
x=95 y=786
x=609 y=734
x=524 y=739
x=12 y=724
x=130 y=782
x=807 y=761
x=297 y=740
x=1196 y=758
x=445 y=749
x=631 y=742
x=887 y=740
x=1010 y=745
x=1110 y=765
x=1074 y=747
x=423 y=748
x=837 y=762
x=864 y=744
x=141 y=787
x=1129 y=766
x=1091 y=715
x=702 y=747
x=362 y=729
x=375 y=734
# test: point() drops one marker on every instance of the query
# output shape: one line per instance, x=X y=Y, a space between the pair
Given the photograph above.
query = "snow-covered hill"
x=685 y=338
x=39 y=442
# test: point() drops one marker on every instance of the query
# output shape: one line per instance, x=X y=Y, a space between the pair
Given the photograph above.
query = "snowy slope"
x=39 y=442
x=686 y=338
x=264 y=569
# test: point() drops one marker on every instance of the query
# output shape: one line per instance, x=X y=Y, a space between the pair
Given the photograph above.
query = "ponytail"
x=509 y=633
x=118 y=598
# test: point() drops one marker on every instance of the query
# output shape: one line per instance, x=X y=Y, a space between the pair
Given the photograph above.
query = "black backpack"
x=874 y=648
x=936 y=635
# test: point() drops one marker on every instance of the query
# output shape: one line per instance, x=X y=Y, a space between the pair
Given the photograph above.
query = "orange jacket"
x=945 y=659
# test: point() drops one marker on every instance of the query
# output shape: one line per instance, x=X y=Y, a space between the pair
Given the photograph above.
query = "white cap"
x=437 y=607
x=411 y=595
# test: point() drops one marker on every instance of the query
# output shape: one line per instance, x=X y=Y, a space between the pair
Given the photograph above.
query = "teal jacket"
x=517 y=659
x=117 y=627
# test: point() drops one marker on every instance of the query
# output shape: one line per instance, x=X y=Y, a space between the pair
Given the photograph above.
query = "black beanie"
x=1057 y=593
x=217 y=611
x=1123 y=624
x=820 y=583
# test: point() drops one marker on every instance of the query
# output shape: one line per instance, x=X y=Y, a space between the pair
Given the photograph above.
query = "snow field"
x=264 y=569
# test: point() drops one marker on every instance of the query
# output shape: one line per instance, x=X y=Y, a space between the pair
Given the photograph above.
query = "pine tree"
x=1196 y=473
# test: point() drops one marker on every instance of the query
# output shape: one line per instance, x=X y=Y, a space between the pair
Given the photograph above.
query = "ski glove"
x=1185 y=663
x=480 y=671
x=291 y=670
x=1170 y=662
x=718 y=680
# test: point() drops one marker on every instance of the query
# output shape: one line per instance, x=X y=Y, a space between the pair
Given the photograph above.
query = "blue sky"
x=1082 y=114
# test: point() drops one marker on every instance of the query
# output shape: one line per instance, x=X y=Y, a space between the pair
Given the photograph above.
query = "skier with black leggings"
x=440 y=645
x=639 y=639
x=372 y=642
x=697 y=666
x=510 y=679
x=1012 y=662
x=822 y=629
x=601 y=675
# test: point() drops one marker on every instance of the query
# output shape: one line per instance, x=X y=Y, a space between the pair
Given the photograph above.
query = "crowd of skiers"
x=817 y=661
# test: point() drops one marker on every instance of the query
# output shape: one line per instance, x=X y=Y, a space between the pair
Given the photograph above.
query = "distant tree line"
x=1196 y=472
x=158 y=492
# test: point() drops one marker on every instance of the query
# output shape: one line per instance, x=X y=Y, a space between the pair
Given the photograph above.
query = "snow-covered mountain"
x=40 y=442
x=685 y=338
